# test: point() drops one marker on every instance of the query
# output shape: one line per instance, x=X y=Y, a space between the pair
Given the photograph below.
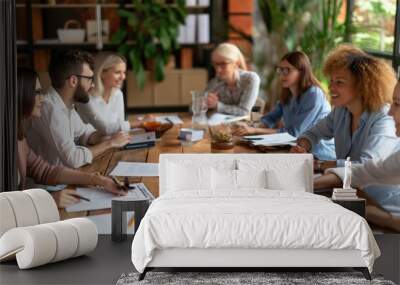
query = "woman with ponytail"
x=234 y=90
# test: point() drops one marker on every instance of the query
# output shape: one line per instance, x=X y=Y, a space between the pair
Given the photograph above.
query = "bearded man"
x=59 y=135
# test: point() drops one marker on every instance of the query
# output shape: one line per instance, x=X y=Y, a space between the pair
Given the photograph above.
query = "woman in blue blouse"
x=361 y=87
x=301 y=106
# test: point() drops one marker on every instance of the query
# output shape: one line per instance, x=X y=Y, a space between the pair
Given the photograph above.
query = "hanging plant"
x=150 y=34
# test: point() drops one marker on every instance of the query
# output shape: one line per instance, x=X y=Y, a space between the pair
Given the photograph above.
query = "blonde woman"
x=105 y=110
x=234 y=90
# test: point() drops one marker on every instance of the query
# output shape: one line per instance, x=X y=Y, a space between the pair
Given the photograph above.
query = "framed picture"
x=91 y=29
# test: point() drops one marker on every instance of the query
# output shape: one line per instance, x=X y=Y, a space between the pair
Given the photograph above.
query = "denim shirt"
x=300 y=114
x=375 y=137
x=241 y=99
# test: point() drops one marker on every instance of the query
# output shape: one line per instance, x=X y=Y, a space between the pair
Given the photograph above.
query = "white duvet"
x=250 y=219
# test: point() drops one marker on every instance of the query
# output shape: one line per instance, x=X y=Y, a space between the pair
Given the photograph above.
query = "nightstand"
x=355 y=205
x=138 y=202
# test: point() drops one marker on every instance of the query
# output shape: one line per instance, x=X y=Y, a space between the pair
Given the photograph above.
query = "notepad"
x=100 y=199
x=218 y=118
x=169 y=118
x=124 y=168
x=272 y=139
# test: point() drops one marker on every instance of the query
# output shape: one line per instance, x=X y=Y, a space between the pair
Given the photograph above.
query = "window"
x=374 y=25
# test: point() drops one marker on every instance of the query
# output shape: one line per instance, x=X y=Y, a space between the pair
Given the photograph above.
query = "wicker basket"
x=71 y=35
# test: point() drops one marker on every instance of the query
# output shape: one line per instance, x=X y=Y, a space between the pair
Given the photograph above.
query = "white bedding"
x=252 y=218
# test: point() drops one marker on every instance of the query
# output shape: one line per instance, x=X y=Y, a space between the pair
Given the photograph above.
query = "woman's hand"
x=110 y=186
x=212 y=100
x=64 y=198
x=329 y=180
x=120 y=139
x=244 y=130
x=297 y=149
x=303 y=146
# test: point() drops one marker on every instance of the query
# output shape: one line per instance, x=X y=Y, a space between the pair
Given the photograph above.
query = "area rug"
x=229 y=278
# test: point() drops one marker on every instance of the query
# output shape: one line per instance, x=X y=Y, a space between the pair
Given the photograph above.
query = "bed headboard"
x=293 y=168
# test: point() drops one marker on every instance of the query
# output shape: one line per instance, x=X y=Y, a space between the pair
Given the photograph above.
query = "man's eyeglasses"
x=90 y=78
x=283 y=70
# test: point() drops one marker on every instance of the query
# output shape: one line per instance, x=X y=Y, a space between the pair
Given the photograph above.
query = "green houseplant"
x=149 y=36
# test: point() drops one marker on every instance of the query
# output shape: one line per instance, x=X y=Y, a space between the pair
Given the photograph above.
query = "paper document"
x=218 y=118
x=173 y=118
x=272 y=139
x=100 y=199
x=124 y=168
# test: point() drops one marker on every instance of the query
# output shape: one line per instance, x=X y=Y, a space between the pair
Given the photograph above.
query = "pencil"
x=80 y=197
x=119 y=184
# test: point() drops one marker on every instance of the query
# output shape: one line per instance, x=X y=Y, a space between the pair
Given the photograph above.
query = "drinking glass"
x=199 y=109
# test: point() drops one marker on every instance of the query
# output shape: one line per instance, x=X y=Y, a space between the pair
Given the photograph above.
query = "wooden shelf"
x=46 y=45
x=190 y=9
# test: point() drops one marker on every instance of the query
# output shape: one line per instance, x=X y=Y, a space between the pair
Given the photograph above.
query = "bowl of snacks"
x=157 y=127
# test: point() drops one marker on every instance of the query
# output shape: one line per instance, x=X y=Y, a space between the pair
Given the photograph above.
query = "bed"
x=247 y=210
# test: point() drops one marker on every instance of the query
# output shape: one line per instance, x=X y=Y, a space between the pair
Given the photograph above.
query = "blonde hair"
x=232 y=53
x=375 y=79
x=102 y=62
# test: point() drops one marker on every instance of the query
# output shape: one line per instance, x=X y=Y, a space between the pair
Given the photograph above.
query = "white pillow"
x=183 y=177
x=294 y=179
x=224 y=179
x=251 y=178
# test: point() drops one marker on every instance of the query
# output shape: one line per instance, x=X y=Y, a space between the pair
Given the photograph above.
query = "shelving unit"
x=36 y=44
x=29 y=46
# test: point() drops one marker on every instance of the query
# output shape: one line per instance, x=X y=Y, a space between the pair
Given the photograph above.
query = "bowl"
x=71 y=35
x=157 y=127
x=151 y=126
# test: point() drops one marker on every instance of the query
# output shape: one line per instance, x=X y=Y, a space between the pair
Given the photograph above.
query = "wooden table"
x=168 y=143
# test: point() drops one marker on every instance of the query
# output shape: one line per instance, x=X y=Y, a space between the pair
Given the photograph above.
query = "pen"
x=119 y=184
x=169 y=121
x=80 y=197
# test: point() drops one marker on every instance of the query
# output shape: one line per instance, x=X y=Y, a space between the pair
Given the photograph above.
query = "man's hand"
x=120 y=139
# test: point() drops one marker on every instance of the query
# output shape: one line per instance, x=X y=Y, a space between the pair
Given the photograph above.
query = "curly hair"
x=375 y=79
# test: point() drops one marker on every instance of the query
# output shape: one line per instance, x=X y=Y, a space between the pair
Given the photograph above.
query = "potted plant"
x=221 y=138
x=150 y=35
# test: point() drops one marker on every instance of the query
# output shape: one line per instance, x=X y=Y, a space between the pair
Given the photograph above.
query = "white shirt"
x=59 y=134
x=107 y=118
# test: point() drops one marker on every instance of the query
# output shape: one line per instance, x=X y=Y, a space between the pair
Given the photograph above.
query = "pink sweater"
x=31 y=165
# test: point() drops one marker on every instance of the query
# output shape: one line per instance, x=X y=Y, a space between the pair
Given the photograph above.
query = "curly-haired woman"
x=361 y=89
